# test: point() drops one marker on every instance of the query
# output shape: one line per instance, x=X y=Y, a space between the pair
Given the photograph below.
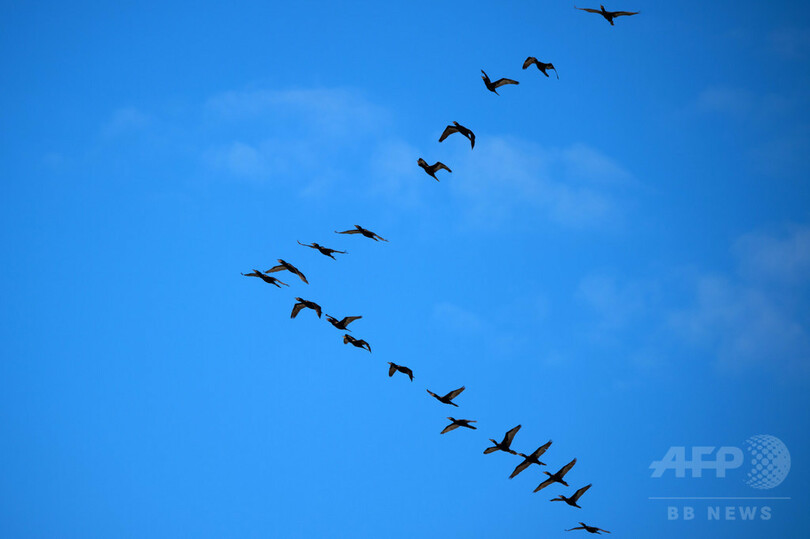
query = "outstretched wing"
x=355 y=231
x=579 y=493
x=500 y=82
x=542 y=449
x=510 y=436
x=298 y=272
x=577 y=528
x=377 y=236
x=306 y=245
x=392 y=369
x=349 y=319
x=565 y=469
x=448 y=428
x=589 y=10
x=432 y=394
x=406 y=370
x=620 y=13
x=449 y=130
x=297 y=309
x=520 y=467
x=439 y=165
x=455 y=393
x=529 y=61
x=489 y=450
x=544 y=484
x=276 y=268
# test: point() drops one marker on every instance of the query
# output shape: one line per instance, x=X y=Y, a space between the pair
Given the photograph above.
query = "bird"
x=359 y=343
x=572 y=501
x=493 y=86
x=289 y=267
x=504 y=445
x=589 y=529
x=323 y=250
x=404 y=370
x=458 y=128
x=432 y=169
x=556 y=477
x=448 y=399
x=542 y=66
x=360 y=230
x=608 y=15
x=341 y=324
x=304 y=303
x=528 y=460
x=266 y=278
x=456 y=423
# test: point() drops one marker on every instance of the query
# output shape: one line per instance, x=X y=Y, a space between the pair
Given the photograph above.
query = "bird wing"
x=392 y=369
x=589 y=10
x=579 y=493
x=500 y=82
x=520 y=467
x=362 y=343
x=355 y=231
x=349 y=319
x=432 y=394
x=565 y=469
x=276 y=268
x=542 y=449
x=472 y=140
x=297 y=309
x=455 y=393
x=577 y=528
x=298 y=272
x=379 y=237
x=529 y=61
x=601 y=530
x=317 y=308
x=449 y=130
x=620 y=13
x=407 y=371
x=507 y=440
x=544 y=484
x=439 y=165
x=489 y=450
x=348 y=339
x=448 y=428
x=305 y=245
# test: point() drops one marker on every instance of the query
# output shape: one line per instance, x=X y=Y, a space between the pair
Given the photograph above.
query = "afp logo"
x=766 y=457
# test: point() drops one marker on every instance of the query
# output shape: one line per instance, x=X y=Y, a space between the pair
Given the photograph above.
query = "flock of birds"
x=342 y=324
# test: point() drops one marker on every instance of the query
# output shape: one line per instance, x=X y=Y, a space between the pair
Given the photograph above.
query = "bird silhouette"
x=556 y=477
x=456 y=423
x=572 y=501
x=542 y=66
x=493 y=86
x=589 y=529
x=528 y=460
x=401 y=368
x=448 y=399
x=608 y=15
x=323 y=250
x=359 y=343
x=503 y=445
x=289 y=267
x=432 y=169
x=304 y=303
x=458 y=128
x=341 y=324
x=365 y=232
x=266 y=278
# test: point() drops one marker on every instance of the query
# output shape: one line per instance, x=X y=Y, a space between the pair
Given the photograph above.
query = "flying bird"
x=542 y=66
x=503 y=445
x=266 y=278
x=360 y=230
x=556 y=477
x=323 y=250
x=572 y=501
x=359 y=343
x=589 y=529
x=456 y=423
x=289 y=267
x=304 y=303
x=528 y=460
x=341 y=324
x=448 y=399
x=608 y=15
x=458 y=128
x=432 y=169
x=404 y=370
x=493 y=86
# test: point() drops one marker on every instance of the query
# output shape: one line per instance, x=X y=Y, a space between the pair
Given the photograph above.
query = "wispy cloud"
x=126 y=119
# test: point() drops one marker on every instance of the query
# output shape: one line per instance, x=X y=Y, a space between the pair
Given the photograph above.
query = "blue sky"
x=622 y=264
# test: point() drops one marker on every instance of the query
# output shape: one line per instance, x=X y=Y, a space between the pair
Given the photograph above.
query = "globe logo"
x=770 y=461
